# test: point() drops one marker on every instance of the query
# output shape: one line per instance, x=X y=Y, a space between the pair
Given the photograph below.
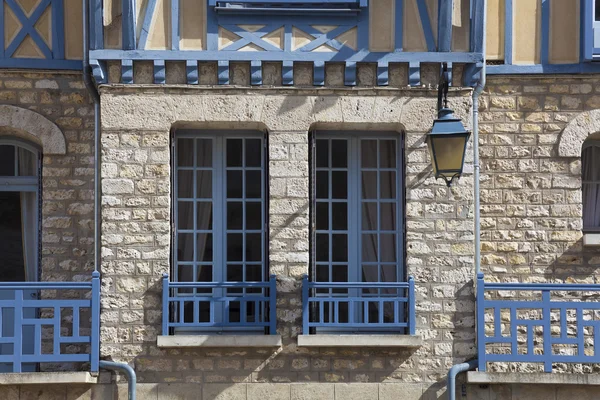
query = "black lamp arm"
x=443 y=85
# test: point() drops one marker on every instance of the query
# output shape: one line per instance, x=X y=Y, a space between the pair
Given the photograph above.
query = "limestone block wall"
x=136 y=125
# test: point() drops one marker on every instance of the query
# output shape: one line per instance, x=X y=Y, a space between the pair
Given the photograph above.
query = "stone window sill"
x=591 y=239
x=359 y=341
x=45 y=378
x=219 y=341
x=499 y=378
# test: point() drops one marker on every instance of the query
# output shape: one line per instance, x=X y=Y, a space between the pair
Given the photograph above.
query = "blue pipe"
x=126 y=368
x=455 y=370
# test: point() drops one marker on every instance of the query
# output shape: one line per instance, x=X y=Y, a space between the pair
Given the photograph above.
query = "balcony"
x=372 y=314
x=219 y=314
x=49 y=326
x=537 y=323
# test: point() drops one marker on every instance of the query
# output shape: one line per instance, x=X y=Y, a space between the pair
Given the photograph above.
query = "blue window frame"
x=590 y=176
x=358 y=219
x=219 y=213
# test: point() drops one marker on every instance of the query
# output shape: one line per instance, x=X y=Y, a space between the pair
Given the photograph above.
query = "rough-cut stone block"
x=356 y=391
x=218 y=391
x=179 y=391
x=312 y=391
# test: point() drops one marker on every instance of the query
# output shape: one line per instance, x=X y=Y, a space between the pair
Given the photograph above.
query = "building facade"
x=236 y=200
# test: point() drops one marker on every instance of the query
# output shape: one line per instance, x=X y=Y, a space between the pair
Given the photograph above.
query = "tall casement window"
x=219 y=214
x=590 y=171
x=358 y=220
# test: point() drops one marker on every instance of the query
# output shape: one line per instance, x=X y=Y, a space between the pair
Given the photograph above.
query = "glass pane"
x=388 y=184
x=322 y=216
x=185 y=184
x=339 y=153
x=204 y=184
x=185 y=247
x=185 y=273
x=253 y=216
x=370 y=273
x=368 y=153
x=339 y=216
x=234 y=215
x=387 y=154
x=253 y=152
x=185 y=215
x=253 y=247
x=369 y=216
x=388 y=216
x=235 y=273
x=322 y=247
x=322 y=185
x=205 y=273
x=388 y=247
x=235 y=247
x=323 y=273
x=369 y=248
x=388 y=273
x=12 y=268
x=339 y=273
x=253 y=184
x=204 y=152
x=204 y=216
x=339 y=185
x=369 y=185
x=204 y=251
x=254 y=273
x=339 y=247
x=322 y=153
x=27 y=162
x=185 y=152
x=234 y=152
x=234 y=184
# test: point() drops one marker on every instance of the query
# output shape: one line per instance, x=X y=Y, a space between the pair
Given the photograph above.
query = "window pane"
x=254 y=273
x=370 y=273
x=185 y=184
x=253 y=184
x=388 y=216
x=339 y=216
x=388 y=273
x=322 y=247
x=26 y=162
x=322 y=216
x=234 y=184
x=339 y=153
x=235 y=247
x=387 y=154
x=205 y=273
x=369 y=185
x=368 y=153
x=323 y=273
x=234 y=215
x=185 y=215
x=234 y=152
x=12 y=268
x=388 y=247
x=253 y=247
x=204 y=216
x=185 y=152
x=253 y=152
x=204 y=152
x=369 y=248
x=339 y=247
x=235 y=273
x=388 y=185
x=204 y=184
x=322 y=185
x=369 y=216
x=339 y=273
x=253 y=216
x=339 y=185
x=185 y=247
x=204 y=251
x=322 y=153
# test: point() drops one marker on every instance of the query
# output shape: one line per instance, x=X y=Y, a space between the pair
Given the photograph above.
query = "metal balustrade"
x=236 y=306
x=368 y=306
x=49 y=330
x=537 y=323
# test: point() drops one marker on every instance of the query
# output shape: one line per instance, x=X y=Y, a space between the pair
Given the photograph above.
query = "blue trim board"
x=40 y=63
x=146 y=24
x=399 y=26
x=58 y=29
x=445 y=26
x=191 y=69
x=28 y=28
x=582 y=68
x=175 y=24
x=545 y=31
x=96 y=25
x=587 y=30
x=508 y=31
x=128 y=19
x=2 y=31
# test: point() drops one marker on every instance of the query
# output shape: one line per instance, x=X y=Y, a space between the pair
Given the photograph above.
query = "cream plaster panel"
x=159 y=111
x=73 y=30
x=495 y=30
x=382 y=26
x=564 y=31
x=527 y=33
x=34 y=127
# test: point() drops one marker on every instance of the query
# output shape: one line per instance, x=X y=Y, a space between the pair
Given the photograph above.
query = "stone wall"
x=136 y=125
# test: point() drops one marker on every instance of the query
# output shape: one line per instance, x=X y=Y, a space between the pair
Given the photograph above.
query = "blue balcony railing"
x=361 y=306
x=61 y=329
x=219 y=306
x=537 y=323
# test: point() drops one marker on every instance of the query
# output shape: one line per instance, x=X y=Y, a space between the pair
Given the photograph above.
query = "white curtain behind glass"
x=590 y=165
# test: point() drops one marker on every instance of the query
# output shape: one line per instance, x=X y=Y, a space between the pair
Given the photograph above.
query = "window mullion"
x=355 y=209
x=219 y=210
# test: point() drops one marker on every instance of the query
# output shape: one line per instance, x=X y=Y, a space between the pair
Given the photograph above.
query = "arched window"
x=19 y=211
x=590 y=175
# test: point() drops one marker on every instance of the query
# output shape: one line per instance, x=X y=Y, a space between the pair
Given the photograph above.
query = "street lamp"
x=448 y=138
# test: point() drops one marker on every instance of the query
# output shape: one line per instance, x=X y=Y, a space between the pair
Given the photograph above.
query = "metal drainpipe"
x=125 y=368
x=455 y=370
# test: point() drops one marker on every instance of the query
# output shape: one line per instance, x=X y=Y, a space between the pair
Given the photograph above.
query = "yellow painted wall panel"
x=192 y=24
x=564 y=32
x=12 y=26
x=414 y=38
x=159 y=37
x=527 y=21
x=112 y=24
x=73 y=30
x=381 y=25
x=461 y=25
x=495 y=29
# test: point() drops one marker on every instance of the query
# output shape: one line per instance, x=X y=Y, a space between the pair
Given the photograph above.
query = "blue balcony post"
x=481 y=322
x=412 y=318
x=18 y=343
x=165 y=308
x=95 y=324
x=305 y=316
x=273 y=305
x=546 y=328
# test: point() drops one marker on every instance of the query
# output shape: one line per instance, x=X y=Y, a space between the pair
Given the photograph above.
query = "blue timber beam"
x=129 y=24
x=445 y=26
